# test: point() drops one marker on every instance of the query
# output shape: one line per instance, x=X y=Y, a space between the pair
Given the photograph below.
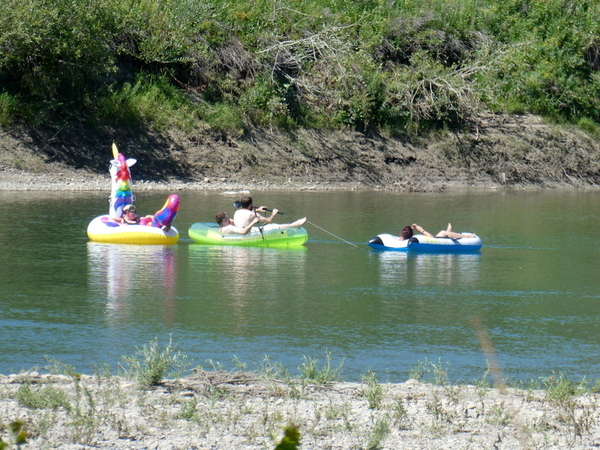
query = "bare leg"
x=453 y=235
x=297 y=224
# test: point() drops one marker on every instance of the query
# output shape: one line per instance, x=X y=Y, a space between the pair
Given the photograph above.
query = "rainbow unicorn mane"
x=121 y=194
x=120 y=175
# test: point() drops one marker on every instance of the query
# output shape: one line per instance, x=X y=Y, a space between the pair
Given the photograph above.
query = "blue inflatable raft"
x=425 y=244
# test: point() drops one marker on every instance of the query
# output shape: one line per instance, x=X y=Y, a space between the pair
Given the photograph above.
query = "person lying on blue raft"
x=447 y=233
x=446 y=241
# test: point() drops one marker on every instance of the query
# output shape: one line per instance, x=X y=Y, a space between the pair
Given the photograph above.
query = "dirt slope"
x=498 y=151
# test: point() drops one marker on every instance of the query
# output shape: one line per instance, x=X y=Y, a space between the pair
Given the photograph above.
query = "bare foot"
x=449 y=227
x=299 y=222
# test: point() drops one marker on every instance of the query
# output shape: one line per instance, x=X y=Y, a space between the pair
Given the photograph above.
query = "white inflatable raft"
x=421 y=243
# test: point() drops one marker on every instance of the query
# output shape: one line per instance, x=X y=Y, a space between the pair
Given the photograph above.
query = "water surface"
x=533 y=287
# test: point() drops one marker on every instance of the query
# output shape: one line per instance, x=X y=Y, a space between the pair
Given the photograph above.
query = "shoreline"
x=82 y=181
x=238 y=410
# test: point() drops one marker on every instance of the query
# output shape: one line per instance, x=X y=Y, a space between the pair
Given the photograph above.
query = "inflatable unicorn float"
x=155 y=229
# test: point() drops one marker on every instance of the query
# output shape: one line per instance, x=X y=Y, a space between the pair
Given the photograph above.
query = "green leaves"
x=399 y=65
x=152 y=363
x=19 y=435
x=290 y=440
x=51 y=46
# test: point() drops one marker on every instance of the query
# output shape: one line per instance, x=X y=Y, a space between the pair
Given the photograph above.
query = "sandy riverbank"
x=81 y=181
x=72 y=180
x=217 y=410
x=498 y=152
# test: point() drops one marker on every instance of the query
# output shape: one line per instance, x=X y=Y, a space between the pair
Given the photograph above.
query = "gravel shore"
x=219 y=410
x=73 y=180
x=70 y=180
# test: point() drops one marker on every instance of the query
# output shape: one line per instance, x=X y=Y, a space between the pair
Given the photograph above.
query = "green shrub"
x=151 y=363
x=406 y=65
x=589 y=125
x=150 y=99
x=47 y=397
x=222 y=117
x=310 y=370
x=373 y=390
x=8 y=108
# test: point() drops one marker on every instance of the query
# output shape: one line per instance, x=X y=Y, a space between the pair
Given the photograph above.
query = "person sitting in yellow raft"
x=447 y=233
x=228 y=226
x=131 y=218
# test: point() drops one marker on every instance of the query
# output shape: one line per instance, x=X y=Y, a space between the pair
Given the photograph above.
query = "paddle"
x=238 y=204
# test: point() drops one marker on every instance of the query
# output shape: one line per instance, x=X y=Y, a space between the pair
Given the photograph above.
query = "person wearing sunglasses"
x=130 y=217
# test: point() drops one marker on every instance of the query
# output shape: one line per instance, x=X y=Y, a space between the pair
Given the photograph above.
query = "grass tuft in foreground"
x=151 y=364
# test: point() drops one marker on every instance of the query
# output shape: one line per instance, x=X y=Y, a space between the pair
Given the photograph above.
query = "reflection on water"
x=250 y=281
x=243 y=270
x=123 y=274
x=427 y=268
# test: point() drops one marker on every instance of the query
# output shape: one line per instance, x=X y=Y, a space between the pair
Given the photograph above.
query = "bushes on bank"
x=385 y=65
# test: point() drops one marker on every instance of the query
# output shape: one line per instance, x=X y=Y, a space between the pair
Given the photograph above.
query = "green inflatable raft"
x=266 y=236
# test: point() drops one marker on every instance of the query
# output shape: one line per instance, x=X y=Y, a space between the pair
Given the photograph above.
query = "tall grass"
x=370 y=65
x=152 y=363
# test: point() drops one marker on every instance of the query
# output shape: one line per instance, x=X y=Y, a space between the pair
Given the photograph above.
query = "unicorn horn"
x=115 y=150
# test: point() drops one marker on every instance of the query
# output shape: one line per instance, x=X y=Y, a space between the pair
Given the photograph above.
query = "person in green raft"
x=447 y=233
x=228 y=226
x=247 y=213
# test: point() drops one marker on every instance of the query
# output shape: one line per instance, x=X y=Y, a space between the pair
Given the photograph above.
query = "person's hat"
x=128 y=207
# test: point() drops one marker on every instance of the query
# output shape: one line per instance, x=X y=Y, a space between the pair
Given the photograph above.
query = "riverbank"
x=219 y=410
x=66 y=179
x=495 y=152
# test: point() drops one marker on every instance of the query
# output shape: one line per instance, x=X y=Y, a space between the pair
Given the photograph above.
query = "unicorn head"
x=120 y=194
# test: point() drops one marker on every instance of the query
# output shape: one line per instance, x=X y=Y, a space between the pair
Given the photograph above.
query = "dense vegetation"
x=386 y=65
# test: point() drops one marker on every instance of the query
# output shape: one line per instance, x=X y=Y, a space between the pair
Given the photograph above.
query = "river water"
x=532 y=293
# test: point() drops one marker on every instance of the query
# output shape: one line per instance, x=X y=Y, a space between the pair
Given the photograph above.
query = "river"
x=532 y=294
